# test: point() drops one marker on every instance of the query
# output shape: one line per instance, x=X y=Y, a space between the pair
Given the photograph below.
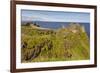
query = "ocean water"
x=56 y=25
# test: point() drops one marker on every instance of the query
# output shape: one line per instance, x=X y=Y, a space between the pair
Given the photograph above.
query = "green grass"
x=57 y=45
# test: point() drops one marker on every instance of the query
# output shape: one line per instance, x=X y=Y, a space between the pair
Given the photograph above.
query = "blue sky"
x=54 y=16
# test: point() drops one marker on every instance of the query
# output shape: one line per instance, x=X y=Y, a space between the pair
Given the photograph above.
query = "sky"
x=54 y=16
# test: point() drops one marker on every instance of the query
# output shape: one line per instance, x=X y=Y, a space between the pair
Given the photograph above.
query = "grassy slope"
x=66 y=45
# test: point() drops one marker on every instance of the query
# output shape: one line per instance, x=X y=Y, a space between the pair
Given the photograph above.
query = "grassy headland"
x=64 y=44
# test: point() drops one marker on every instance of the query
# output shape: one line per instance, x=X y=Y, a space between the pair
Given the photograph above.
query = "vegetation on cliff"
x=63 y=44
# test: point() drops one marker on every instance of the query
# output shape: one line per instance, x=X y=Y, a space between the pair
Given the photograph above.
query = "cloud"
x=55 y=16
x=32 y=18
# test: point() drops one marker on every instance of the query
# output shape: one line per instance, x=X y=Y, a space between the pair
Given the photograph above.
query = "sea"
x=56 y=25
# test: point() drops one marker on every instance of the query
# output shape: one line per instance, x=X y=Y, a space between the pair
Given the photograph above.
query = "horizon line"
x=55 y=21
